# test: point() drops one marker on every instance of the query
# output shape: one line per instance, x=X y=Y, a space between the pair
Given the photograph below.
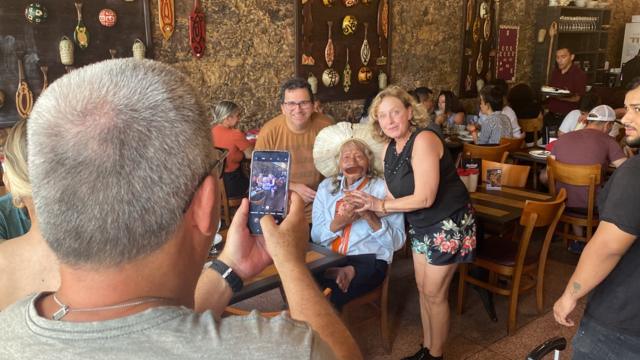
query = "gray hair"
x=223 y=110
x=131 y=145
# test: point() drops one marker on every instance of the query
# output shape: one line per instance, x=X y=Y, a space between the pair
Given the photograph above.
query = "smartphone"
x=269 y=187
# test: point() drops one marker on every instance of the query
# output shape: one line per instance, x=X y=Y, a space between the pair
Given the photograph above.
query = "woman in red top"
x=226 y=116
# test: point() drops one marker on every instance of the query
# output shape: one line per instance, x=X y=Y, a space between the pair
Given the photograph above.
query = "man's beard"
x=634 y=142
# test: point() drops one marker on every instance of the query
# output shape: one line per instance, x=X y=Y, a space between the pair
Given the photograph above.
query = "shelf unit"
x=589 y=47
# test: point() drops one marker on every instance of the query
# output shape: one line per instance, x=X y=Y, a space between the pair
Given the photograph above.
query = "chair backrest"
x=224 y=203
x=512 y=175
x=578 y=175
x=539 y=214
x=514 y=144
x=532 y=125
x=496 y=153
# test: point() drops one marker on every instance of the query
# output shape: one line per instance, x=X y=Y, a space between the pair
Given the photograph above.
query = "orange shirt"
x=232 y=140
x=275 y=135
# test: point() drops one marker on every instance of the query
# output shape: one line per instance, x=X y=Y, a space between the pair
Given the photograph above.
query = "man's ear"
x=205 y=207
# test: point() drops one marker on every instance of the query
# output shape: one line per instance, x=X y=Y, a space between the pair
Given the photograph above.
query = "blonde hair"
x=418 y=120
x=15 y=163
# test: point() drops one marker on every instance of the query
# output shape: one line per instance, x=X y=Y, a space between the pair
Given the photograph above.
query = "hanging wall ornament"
x=487 y=28
x=313 y=82
x=107 y=17
x=138 y=49
x=1 y=99
x=328 y=3
x=45 y=77
x=350 y=3
x=480 y=60
x=330 y=78
x=66 y=51
x=468 y=82
x=469 y=20
x=113 y=53
x=349 y=25
x=167 y=18
x=24 y=96
x=307 y=32
x=382 y=80
x=365 y=50
x=383 y=18
x=329 y=50
x=35 y=13
x=81 y=33
x=346 y=75
x=197 y=31
x=364 y=75
x=365 y=2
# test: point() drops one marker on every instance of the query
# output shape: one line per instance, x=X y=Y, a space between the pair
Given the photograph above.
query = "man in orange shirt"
x=295 y=130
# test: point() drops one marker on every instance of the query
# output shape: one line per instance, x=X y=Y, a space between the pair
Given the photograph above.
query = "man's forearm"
x=212 y=293
x=593 y=267
x=306 y=303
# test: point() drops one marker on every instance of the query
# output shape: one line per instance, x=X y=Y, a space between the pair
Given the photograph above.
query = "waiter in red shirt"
x=566 y=76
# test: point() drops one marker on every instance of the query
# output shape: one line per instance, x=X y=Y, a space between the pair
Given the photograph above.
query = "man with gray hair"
x=127 y=199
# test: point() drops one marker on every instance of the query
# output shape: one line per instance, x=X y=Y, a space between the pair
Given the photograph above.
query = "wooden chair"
x=514 y=260
x=231 y=310
x=514 y=144
x=577 y=175
x=492 y=152
x=512 y=175
x=226 y=204
x=532 y=125
x=379 y=299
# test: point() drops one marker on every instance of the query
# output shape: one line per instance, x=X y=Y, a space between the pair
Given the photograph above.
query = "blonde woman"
x=27 y=265
x=226 y=117
x=423 y=184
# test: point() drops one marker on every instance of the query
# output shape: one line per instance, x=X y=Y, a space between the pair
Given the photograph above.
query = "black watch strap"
x=227 y=273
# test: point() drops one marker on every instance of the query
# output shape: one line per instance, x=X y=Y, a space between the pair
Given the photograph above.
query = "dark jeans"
x=370 y=273
x=595 y=342
x=236 y=184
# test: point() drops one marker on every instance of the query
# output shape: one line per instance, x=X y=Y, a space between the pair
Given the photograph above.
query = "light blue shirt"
x=362 y=239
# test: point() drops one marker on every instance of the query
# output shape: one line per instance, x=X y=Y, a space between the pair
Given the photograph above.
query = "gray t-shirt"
x=157 y=333
x=493 y=128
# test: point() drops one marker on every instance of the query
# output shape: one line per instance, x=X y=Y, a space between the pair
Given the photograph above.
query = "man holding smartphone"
x=127 y=200
x=295 y=130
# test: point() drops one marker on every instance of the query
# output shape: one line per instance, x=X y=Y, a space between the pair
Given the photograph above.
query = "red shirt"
x=573 y=80
x=232 y=140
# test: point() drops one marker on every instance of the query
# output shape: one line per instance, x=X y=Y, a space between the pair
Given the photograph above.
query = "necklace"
x=65 y=309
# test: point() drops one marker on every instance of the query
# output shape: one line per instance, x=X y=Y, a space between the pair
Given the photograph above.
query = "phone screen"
x=269 y=187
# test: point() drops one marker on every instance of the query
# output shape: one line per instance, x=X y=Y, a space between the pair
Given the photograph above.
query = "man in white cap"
x=591 y=145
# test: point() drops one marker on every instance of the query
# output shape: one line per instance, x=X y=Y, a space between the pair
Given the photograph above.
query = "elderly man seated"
x=344 y=153
x=127 y=200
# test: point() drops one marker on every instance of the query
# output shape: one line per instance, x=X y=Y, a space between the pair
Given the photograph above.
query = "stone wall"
x=250 y=48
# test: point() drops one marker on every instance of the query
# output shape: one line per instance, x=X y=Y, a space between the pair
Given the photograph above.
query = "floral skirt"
x=450 y=241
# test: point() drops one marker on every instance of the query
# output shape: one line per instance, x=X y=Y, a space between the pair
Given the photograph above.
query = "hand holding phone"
x=268 y=190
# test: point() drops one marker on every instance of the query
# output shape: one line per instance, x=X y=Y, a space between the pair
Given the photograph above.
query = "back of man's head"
x=588 y=101
x=116 y=151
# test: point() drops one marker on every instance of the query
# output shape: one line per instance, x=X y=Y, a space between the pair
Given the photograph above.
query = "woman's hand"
x=362 y=201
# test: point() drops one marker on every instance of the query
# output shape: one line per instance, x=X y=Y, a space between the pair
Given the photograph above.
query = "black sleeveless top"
x=398 y=173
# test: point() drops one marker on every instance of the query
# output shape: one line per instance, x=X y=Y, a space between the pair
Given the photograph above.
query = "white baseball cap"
x=601 y=113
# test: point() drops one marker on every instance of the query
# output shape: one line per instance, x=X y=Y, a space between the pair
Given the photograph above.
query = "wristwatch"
x=228 y=274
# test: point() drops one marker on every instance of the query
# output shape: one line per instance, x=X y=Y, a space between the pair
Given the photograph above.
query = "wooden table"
x=505 y=205
x=318 y=259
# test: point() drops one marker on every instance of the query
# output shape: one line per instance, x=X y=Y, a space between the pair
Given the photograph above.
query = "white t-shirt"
x=570 y=121
x=513 y=119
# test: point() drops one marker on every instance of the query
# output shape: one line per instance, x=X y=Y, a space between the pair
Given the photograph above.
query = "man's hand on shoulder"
x=246 y=254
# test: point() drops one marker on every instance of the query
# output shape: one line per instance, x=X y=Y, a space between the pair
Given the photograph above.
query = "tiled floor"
x=472 y=334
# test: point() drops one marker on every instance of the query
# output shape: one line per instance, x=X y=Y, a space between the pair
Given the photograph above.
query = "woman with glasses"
x=226 y=116
x=27 y=263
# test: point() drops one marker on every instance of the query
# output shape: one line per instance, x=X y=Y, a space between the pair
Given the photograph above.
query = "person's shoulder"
x=320 y=121
x=273 y=124
x=631 y=167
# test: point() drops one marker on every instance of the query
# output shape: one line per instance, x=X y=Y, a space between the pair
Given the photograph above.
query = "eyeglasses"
x=290 y=105
x=218 y=166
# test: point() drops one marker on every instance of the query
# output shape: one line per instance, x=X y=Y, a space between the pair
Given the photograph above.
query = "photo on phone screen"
x=268 y=188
